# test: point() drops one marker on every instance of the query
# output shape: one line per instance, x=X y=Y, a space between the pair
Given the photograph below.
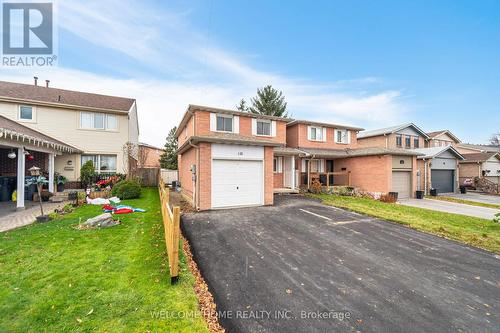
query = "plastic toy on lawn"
x=121 y=209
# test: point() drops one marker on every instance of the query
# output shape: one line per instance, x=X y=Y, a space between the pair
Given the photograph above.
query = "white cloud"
x=193 y=70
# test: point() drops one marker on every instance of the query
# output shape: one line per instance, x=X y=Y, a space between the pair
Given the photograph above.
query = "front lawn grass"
x=462 y=201
x=470 y=230
x=54 y=278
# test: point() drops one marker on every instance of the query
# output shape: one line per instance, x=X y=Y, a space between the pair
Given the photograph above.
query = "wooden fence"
x=171 y=224
x=148 y=176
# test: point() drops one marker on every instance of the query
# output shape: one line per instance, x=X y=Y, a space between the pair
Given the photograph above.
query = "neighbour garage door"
x=401 y=183
x=237 y=183
x=443 y=180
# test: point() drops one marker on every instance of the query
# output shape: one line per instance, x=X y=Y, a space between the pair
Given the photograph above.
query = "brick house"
x=149 y=156
x=438 y=160
x=480 y=165
x=229 y=158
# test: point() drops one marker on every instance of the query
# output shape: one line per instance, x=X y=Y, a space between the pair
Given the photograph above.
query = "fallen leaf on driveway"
x=288 y=291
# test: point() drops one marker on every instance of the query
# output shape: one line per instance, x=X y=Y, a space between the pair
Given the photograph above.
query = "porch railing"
x=327 y=178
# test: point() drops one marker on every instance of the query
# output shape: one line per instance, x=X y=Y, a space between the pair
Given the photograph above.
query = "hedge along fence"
x=171 y=224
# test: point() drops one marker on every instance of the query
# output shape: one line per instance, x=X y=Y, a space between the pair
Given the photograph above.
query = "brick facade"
x=296 y=136
x=268 y=176
x=368 y=173
x=8 y=167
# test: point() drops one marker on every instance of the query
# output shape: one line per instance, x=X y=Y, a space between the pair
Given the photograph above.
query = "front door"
x=329 y=168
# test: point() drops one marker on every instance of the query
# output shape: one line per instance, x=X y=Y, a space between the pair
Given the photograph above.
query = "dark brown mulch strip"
x=206 y=301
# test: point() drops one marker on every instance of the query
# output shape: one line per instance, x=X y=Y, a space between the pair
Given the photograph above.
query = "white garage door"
x=237 y=183
x=401 y=183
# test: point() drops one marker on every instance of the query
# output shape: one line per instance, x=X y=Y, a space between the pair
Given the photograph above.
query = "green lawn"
x=54 y=278
x=462 y=201
x=474 y=231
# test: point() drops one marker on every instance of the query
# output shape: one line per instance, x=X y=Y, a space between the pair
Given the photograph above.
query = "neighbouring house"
x=407 y=136
x=441 y=139
x=149 y=156
x=469 y=148
x=438 y=168
x=330 y=153
x=58 y=130
x=480 y=165
x=229 y=158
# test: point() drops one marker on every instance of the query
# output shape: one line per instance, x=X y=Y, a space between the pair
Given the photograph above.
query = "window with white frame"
x=278 y=164
x=315 y=133
x=315 y=165
x=98 y=121
x=27 y=113
x=342 y=136
x=102 y=163
x=263 y=127
x=224 y=123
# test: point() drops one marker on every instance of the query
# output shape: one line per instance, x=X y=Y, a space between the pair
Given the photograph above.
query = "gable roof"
x=480 y=148
x=427 y=153
x=307 y=122
x=192 y=108
x=390 y=130
x=479 y=157
x=31 y=94
x=435 y=134
x=12 y=130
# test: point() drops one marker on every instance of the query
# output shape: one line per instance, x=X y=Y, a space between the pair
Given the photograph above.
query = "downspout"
x=425 y=177
x=195 y=178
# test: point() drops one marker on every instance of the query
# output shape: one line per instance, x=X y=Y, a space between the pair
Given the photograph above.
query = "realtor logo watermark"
x=28 y=34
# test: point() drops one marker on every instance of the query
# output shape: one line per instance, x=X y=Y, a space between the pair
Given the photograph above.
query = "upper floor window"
x=399 y=140
x=27 y=113
x=408 y=141
x=315 y=133
x=416 y=142
x=263 y=127
x=342 y=136
x=224 y=123
x=98 y=121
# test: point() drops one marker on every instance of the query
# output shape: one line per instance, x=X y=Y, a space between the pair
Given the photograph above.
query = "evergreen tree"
x=242 y=106
x=168 y=160
x=269 y=101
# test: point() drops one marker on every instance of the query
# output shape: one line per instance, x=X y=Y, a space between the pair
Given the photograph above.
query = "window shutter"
x=236 y=124
x=273 y=128
x=348 y=136
x=309 y=132
x=335 y=135
x=303 y=168
x=254 y=126
x=324 y=134
x=213 y=122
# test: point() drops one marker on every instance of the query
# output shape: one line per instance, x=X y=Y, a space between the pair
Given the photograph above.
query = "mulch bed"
x=206 y=301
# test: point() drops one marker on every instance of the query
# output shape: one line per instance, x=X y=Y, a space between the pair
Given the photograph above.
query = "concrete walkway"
x=478 y=197
x=452 y=207
x=25 y=217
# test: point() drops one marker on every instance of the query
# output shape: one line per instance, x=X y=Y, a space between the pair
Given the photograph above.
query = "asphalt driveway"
x=300 y=266
x=452 y=207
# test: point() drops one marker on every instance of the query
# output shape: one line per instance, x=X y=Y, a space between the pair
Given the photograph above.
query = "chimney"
x=36 y=80
x=47 y=83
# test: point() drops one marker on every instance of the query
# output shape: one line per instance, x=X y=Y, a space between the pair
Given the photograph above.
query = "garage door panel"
x=443 y=180
x=401 y=183
x=236 y=183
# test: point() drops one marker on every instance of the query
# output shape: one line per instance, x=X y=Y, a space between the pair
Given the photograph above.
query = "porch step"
x=59 y=197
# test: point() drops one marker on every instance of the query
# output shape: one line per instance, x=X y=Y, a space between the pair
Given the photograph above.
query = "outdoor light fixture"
x=12 y=155
x=34 y=171
x=30 y=157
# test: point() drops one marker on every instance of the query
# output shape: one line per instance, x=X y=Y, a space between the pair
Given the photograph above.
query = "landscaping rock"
x=101 y=221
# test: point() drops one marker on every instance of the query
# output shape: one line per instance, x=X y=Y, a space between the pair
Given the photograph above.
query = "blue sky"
x=366 y=63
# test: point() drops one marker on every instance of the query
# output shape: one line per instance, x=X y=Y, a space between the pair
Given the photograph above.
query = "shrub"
x=127 y=189
x=387 y=198
x=87 y=173
x=496 y=218
x=316 y=187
